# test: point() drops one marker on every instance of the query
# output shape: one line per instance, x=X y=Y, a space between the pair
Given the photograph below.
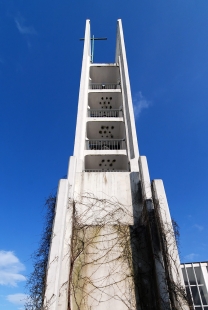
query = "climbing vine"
x=112 y=260
x=37 y=279
x=114 y=257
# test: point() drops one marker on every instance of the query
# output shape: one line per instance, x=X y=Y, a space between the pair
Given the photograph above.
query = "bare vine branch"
x=37 y=279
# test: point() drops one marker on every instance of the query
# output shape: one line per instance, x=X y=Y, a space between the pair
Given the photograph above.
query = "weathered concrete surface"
x=102 y=276
x=106 y=197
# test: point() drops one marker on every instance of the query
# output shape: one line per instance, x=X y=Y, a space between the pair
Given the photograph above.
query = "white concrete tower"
x=113 y=245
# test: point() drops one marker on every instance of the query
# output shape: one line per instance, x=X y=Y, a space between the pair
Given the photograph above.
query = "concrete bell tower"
x=113 y=244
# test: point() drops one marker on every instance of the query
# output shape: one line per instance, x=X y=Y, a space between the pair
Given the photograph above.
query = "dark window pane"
x=199 y=276
x=203 y=295
x=195 y=295
x=191 y=276
x=188 y=292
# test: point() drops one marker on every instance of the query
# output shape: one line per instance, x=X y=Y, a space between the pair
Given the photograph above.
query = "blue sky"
x=40 y=63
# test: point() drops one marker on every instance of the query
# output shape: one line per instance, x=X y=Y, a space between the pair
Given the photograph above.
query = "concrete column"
x=145 y=178
x=79 y=144
x=205 y=276
x=171 y=255
x=57 y=286
x=54 y=261
x=162 y=290
x=131 y=135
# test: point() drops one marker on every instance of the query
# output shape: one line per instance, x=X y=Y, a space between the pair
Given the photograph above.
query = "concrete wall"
x=102 y=274
x=105 y=197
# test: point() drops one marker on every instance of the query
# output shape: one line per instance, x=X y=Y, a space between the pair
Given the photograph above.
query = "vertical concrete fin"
x=172 y=256
x=205 y=276
x=145 y=178
x=71 y=168
x=57 y=286
x=79 y=144
x=66 y=241
x=54 y=261
x=132 y=143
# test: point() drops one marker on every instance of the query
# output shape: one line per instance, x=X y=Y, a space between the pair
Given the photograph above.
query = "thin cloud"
x=17 y=299
x=199 y=227
x=24 y=29
x=191 y=257
x=10 y=269
x=140 y=103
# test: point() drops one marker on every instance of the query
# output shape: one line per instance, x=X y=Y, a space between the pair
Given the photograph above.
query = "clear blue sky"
x=40 y=62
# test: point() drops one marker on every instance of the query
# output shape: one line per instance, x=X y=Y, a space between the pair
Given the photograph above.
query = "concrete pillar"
x=57 y=285
x=162 y=290
x=171 y=257
x=145 y=178
x=121 y=59
x=79 y=144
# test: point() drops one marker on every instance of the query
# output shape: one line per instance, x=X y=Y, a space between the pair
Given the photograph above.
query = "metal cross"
x=93 y=39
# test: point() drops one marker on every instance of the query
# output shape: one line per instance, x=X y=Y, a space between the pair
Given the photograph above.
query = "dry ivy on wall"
x=37 y=279
x=169 y=236
x=97 y=253
x=109 y=259
x=114 y=260
x=176 y=230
